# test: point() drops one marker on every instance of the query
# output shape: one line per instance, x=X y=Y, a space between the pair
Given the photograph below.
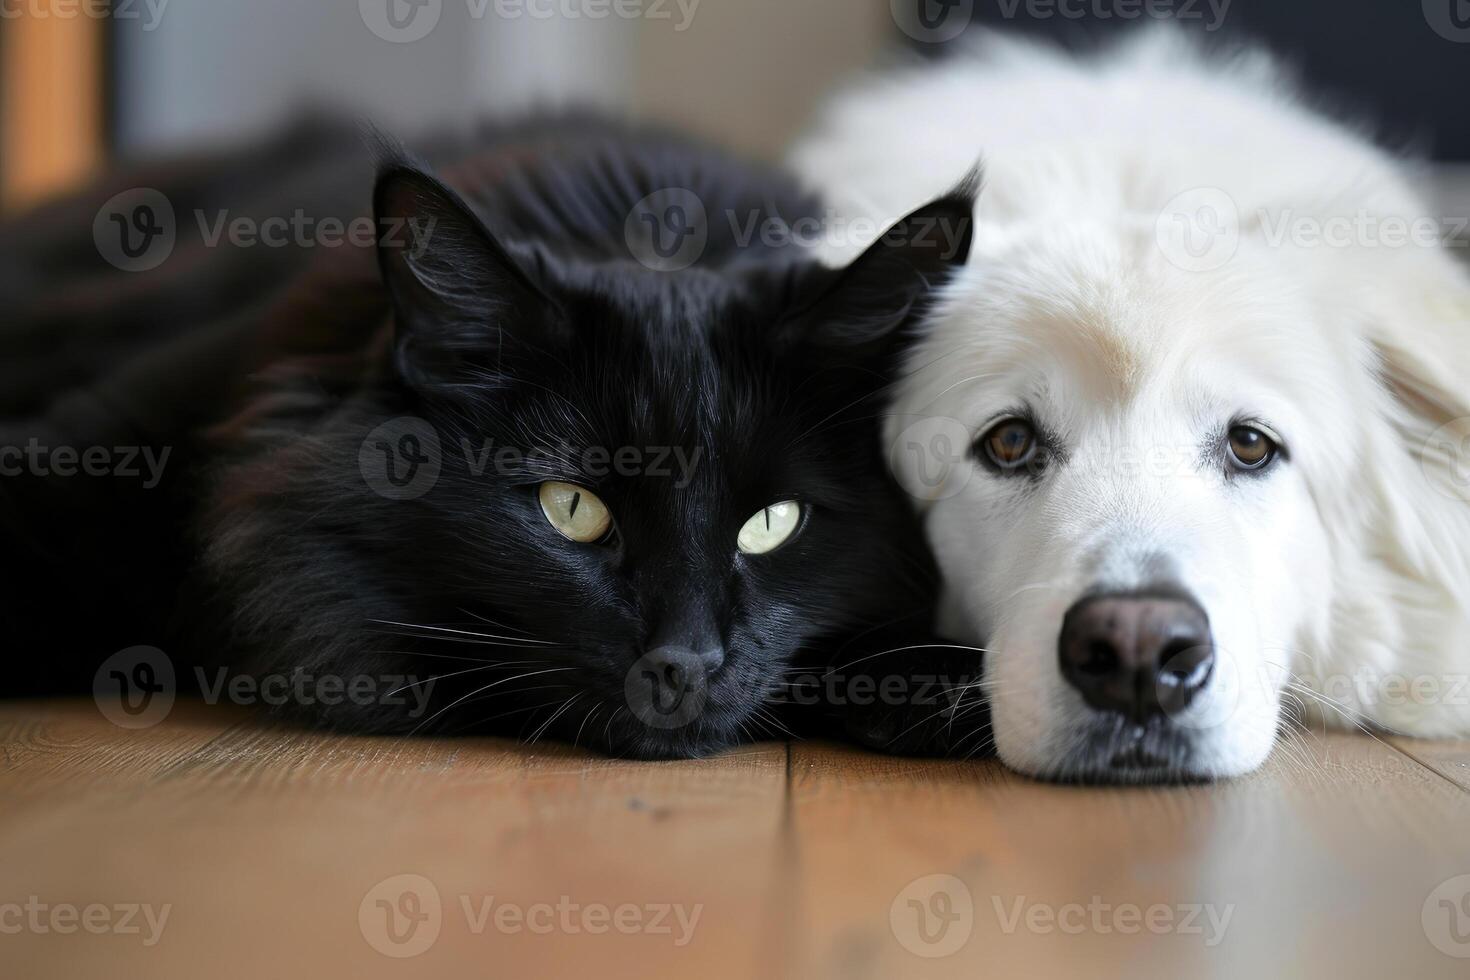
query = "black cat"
x=584 y=448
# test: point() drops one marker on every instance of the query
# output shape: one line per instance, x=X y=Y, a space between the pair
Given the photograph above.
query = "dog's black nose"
x=1137 y=654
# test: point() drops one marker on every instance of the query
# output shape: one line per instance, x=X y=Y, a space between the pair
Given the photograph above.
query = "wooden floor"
x=280 y=854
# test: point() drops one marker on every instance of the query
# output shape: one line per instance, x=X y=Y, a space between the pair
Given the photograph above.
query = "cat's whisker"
x=874 y=627
x=469 y=633
x=914 y=646
x=505 y=680
x=1031 y=587
x=947 y=709
x=985 y=744
x=766 y=718
x=437 y=638
x=813 y=429
x=607 y=729
x=501 y=715
x=588 y=717
x=467 y=670
x=498 y=625
x=441 y=656
x=555 y=715
x=516 y=692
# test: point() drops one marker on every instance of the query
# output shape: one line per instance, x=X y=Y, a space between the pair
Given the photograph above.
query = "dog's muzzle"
x=1141 y=655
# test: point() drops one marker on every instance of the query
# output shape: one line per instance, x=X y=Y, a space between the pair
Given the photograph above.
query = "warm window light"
x=50 y=104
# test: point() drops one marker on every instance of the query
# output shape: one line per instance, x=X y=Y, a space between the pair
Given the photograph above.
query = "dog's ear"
x=458 y=294
x=862 y=312
x=1416 y=468
x=1420 y=332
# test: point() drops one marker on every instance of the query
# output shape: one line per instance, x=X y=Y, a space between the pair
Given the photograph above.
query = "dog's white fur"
x=1340 y=578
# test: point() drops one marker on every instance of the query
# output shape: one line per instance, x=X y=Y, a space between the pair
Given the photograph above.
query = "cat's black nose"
x=677 y=669
x=668 y=686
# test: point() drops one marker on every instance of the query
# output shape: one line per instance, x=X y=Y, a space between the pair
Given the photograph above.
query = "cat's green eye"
x=769 y=528
x=575 y=512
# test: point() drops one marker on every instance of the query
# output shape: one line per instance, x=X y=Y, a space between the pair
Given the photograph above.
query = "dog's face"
x=1132 y=531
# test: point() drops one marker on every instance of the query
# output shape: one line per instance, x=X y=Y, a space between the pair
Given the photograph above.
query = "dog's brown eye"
x=1250 y=448
x=1010 y=444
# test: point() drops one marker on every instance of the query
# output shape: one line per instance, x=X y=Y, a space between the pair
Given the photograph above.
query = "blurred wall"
x=745 y=71
x=753 y=71
x=1401 y=66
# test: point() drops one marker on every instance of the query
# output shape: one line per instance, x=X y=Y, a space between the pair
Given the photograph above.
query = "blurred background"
x=83 y=81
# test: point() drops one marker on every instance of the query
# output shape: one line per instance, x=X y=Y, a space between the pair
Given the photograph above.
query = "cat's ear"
x=457 y=293
x=866 y=308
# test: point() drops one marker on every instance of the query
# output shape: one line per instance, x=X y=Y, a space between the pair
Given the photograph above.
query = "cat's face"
x=654 y=488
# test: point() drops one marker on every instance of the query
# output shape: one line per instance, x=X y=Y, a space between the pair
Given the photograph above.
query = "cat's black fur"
x=504 y=324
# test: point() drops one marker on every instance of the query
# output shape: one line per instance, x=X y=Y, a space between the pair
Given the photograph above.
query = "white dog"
x=1209 y=372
